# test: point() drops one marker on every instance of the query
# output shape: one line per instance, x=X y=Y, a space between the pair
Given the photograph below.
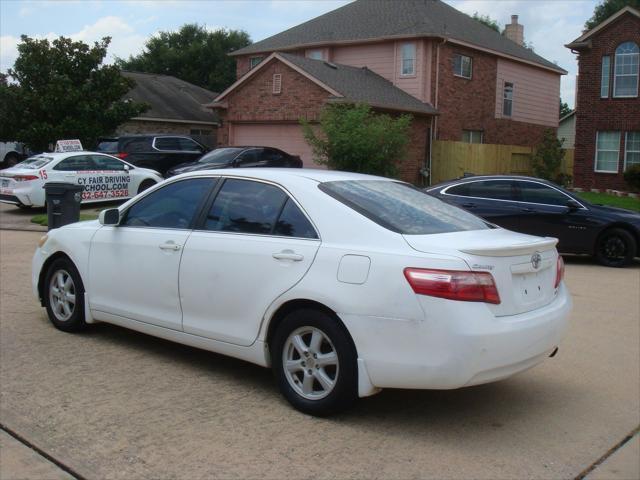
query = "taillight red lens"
x=122 y=155
x=453 y=284
x=25 y=178
x=559 y=271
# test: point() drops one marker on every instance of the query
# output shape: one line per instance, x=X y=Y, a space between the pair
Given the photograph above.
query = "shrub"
x=548 y=156
x=632 y=177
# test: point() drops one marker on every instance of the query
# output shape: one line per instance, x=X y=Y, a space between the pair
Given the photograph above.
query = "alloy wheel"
x=62 y=295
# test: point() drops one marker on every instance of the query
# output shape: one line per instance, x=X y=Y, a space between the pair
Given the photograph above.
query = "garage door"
x=287 y=138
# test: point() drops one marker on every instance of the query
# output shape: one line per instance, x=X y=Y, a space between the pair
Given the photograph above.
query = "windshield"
x=34 y=162
x=402 y=208
x=220 y=155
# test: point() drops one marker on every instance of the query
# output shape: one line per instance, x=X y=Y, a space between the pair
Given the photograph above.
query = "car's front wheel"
x=315 y=362
x=64 y=296
x=616 y=248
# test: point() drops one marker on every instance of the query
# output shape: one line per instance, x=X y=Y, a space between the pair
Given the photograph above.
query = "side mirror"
x=573 y=205
x=111 y=216
x=126 y=167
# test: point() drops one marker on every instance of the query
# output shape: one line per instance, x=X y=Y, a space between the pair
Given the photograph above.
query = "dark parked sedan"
x=239 y=157
x=535 y=206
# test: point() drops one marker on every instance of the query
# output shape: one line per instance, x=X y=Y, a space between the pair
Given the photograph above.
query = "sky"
x=548 y=24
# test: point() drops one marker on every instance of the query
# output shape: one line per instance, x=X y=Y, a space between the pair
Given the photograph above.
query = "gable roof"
x=582 y=40
x=171 y=98
x=567 y=116
x=375 y=20
x=344 y=83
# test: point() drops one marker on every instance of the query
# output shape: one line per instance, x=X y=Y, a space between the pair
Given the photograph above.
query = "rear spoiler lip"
x=542 y=245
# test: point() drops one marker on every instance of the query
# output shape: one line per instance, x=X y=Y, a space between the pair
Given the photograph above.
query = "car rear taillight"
x=25 y=178
x=559 y=271
x=453 y=284
x=122 y=155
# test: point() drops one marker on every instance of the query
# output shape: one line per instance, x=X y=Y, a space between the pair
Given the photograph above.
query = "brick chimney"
x=514 y=31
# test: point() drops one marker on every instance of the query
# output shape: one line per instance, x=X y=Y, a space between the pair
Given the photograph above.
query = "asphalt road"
x=112 y=403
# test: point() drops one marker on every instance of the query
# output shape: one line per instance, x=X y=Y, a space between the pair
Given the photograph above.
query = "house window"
x=625 y=79
x=315 y=54
x=254 y=61
x=462 y=66
x=277 y=83
x=507 y=99
x=472 y=136
x=607 y=152
x=604 y=78
x=632 y=149
x=408 y=51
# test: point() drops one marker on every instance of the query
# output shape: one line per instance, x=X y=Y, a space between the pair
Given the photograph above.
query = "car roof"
x=61 y=155
x=475 y=178
x=277 y=174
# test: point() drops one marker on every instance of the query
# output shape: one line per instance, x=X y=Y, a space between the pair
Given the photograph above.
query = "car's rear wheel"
x=315 y=362
x=11 y=160
x=64 y=296
x=616 y=248
x=145 y=185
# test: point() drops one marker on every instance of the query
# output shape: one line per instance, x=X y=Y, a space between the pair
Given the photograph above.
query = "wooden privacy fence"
x=453 y=159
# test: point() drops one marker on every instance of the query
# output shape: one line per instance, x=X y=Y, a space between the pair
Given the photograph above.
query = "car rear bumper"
x=463 y=344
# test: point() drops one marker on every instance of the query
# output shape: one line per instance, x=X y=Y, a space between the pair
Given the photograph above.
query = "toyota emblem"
x=536 y=260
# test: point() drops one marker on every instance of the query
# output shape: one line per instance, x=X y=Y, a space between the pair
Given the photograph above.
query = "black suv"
x=157 y=152
x=239 y=157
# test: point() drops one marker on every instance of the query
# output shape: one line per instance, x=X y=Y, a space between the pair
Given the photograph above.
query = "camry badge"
x=536 y=260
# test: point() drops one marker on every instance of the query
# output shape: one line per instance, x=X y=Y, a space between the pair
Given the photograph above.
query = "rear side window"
x=491 y=189
x=172 y=206
x=108 y=146
x=402 y=208
x=77 y=163
x=293 y=223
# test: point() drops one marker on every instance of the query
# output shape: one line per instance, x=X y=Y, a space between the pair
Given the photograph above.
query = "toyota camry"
x=342 y=283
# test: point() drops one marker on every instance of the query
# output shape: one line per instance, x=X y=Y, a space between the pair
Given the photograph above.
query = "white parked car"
x=343 y=283
x=103 y=177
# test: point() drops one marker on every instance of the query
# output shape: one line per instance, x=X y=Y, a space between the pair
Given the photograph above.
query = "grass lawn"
x=41 y=219
x=611 y=200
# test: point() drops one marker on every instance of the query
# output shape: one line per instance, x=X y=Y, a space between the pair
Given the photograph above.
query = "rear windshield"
x=402 y=208
x=107 y=146
x=220 y=155
x=34 y=162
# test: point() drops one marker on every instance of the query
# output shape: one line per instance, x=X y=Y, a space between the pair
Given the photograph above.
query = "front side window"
x=462 y=66
x=607 y=152
x=401 y=208
x=249 y=157
x=188 y=145
x=255 y=61
x=604 y=77
x=632 y=149
x=75 y=164
x=532 y=192
x=489 y=189
x=172 y=206
x=472 y=136
x=408 y=52
x=102 y=162
x=507 y=99
x=625 y=80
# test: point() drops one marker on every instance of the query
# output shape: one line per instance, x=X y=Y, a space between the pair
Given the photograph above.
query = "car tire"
x=63 y=294
x=11 y=160
x=322 y=379
x=145 y=185
x=616 y=247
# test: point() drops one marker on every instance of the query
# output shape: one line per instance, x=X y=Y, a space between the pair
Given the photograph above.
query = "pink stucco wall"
x=535 y=93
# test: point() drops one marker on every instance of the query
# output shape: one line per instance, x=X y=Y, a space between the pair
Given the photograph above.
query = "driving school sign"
x=68 y=146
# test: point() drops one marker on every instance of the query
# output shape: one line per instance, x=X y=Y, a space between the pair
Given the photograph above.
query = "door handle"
x=468 y=205
x=170 y=245
x=288 y=255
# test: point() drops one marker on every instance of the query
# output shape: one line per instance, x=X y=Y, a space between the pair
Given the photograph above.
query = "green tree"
x=548 y=158
x=564 y=109
x=607 y=8
x=61 y=89
x=193 y=54
x=487 y=20
x=353 y=138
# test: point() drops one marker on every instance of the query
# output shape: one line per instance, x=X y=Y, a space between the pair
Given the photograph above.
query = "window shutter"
x=277 y=83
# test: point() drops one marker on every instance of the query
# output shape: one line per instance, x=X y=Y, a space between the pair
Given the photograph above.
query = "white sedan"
x=343 y=283
x=103 y=177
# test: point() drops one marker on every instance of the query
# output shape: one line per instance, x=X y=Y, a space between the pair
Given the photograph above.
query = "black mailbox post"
x=63 y=203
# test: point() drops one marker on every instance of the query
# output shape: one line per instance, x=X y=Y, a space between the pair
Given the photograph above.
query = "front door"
x=133 y=267
x=254 y=244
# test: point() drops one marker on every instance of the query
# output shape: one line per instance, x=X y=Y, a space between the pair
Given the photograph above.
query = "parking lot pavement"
x=112 y=403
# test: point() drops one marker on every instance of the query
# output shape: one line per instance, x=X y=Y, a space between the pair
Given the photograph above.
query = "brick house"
x=608 y=106
x=460 y=80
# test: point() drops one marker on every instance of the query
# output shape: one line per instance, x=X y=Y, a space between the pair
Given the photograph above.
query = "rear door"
x=253 y=244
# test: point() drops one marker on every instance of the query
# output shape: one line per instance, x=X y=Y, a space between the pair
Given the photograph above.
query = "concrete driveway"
x=112 y=403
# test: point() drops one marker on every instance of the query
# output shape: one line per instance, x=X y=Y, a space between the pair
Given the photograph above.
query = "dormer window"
x=408 y=67
x=315 y=54
x=627 y=63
